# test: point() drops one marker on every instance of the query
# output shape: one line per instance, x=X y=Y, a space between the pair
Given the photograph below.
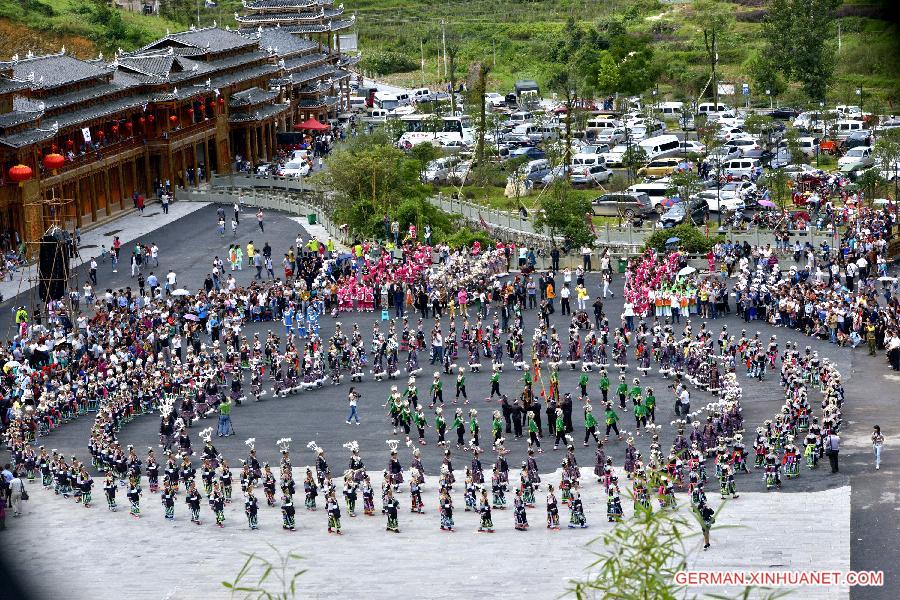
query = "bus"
x=419 y=128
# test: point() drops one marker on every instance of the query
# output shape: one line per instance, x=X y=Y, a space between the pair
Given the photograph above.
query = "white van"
x=706 y=108
x=660 y=146
x=421 y=95
x=849 y=111
x=386 y=101
x=671 y=109
x=740 y=168
x=602 y=122
x=655 y=191
x=533 y=132
x=586 y=160
x=842 y=129
x=519 y=117
x=808 y=145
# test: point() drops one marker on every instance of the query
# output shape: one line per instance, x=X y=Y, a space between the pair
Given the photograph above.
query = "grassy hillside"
x=514 y=37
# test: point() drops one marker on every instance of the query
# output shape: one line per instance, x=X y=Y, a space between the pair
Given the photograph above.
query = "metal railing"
x=244 y=180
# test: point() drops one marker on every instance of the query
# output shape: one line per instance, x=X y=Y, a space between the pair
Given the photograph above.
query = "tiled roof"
x=298 y=62
x=266 y=4
x=54 y=70
x=17 y=117
x=286 y=43
x=213 y=39
x=258 y=114
x=310 y=74
x=8 y=86
x=151 y=65
x=251 y=96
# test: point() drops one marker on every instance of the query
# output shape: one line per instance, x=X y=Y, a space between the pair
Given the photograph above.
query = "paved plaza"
x=819 y=521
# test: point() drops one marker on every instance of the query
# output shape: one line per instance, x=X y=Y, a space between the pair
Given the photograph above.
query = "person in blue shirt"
x=288 y=319
x=312 y=319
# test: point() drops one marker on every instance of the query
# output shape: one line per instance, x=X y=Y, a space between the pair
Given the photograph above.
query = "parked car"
x=659 y=167
x=856 y=159
x=784 y=113
x=589 y=176
x=610 y=136
x=722 y=154
x=741 y=190
x=691 y=147
x=715 y=201
x=529 y=152
x=494 y=100
x=294 y=169
x=797 y=171
x=614 y=156
x=535 y=170
x=558 y=172
x=622 y=204
x=857 y=138
x=743 y=144
x=593 y=149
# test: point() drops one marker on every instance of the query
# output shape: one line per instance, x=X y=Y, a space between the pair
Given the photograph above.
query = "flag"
x=590 y=223
x=86 y=134
x=484 y=223
x=217 y=92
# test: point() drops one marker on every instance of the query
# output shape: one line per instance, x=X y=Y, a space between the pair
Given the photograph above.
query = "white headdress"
x=206 y=434
x=251 y=443
x=352 y=446
x=393 y=444
x=314 y=447
x=284 y=444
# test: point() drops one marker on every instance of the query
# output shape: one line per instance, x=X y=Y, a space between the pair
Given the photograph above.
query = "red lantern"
x=221 y=100
x=20 y=173
x=151 y=118
x=100 y=134
x=173 y=119
x=54 y=161
x=70 y=143
x=115 y=129
x=129 y=125
x=191 y=112
x=141 y=120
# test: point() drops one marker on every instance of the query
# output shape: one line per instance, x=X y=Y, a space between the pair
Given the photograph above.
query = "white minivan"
x=843 y=128
x=660 y=146
x=587 y=160
x=707 y=108
x=671 y=109
x=740 y=168
x=655 y=191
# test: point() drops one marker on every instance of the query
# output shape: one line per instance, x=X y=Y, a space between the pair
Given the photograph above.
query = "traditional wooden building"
x=305 y=35
x=87 y=135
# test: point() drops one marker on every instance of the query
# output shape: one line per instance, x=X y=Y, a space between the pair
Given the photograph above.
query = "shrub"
x=691 y=239
x=386 y=62
x=465 y=237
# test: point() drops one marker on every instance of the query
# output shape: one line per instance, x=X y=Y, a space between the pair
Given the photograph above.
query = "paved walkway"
x=128 y=228
x=152 y=558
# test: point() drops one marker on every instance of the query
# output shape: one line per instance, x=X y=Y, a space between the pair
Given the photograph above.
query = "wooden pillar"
x=247 y=144
x=77 y=196
x=92 y=190
x=183 y=168
x=106 y=190
x=122 y=186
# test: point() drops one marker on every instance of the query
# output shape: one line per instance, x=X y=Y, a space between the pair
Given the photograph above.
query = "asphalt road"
x=188 y=246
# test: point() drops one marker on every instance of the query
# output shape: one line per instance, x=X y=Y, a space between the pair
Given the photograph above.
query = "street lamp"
x=818 y=115
x=771 y=103
x=859 y=92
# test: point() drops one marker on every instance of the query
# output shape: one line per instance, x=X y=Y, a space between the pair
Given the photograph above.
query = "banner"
x=86 y=133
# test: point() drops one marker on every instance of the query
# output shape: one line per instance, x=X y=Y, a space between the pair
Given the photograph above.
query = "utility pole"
x=422 y=50
x=444 y=45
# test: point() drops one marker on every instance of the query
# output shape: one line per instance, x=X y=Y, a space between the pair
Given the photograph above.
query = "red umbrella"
x=310 y=125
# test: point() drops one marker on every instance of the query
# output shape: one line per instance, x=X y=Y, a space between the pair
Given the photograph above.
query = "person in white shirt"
x=564 y=295
x=170 y=282
x=16 y=487
x=154 y=253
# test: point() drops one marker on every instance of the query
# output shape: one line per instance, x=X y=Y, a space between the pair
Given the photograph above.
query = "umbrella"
x=686 y=271
x=767 y=203
x=673 y=240
x=181 y=292
x=310 y=125
x=191 y=317
x=883 y=278
x=667 y=202
x=12 y=363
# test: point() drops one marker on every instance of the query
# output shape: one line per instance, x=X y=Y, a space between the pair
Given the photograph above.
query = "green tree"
x=887 y=155
x=870 y=181
x=777 y=182
x=684 y=184
x=607 y=73
x=800 y=43
x=477 y=84
x=564 y=81
x=764 y=73
x=759 y=125
x=564 y=214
